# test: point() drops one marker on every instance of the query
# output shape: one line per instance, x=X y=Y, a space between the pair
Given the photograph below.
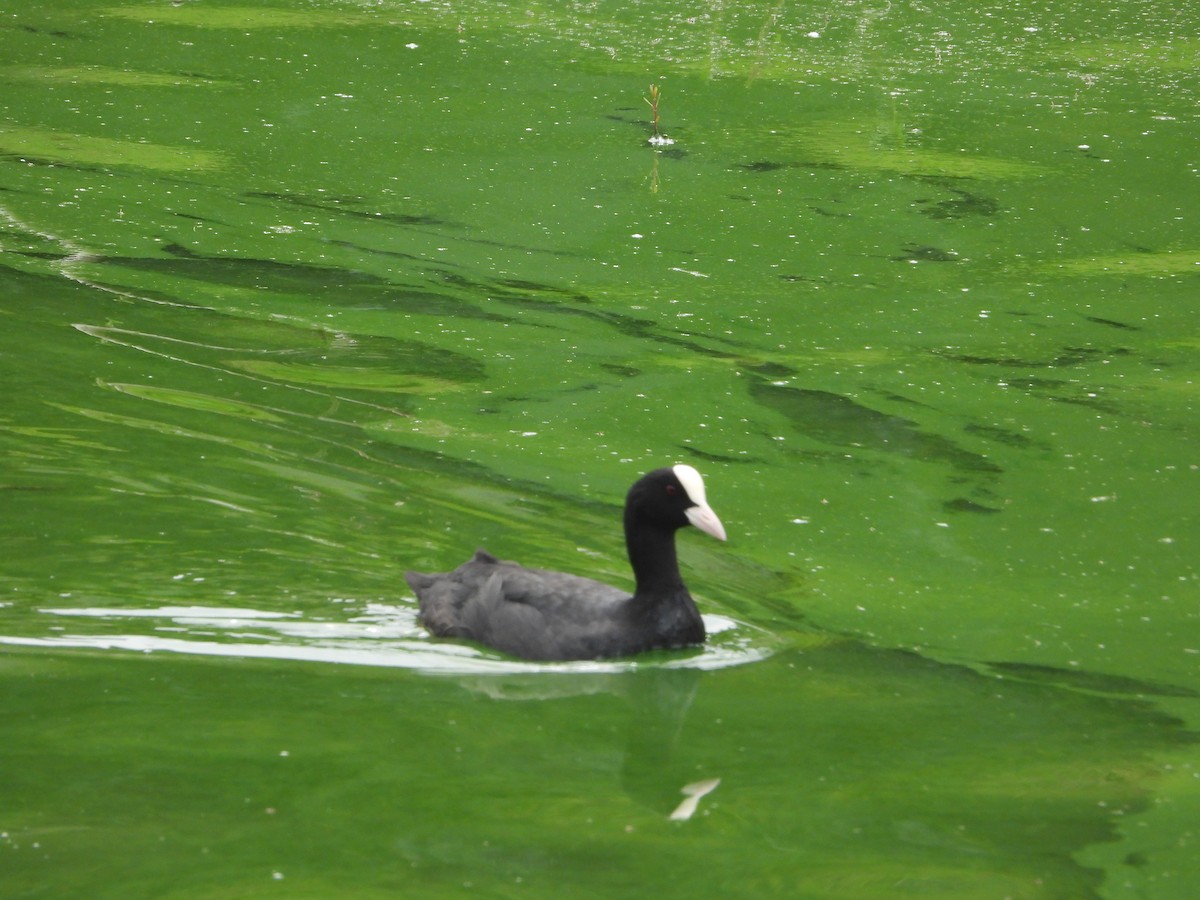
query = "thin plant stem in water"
x=652 y=102
x=657 y=139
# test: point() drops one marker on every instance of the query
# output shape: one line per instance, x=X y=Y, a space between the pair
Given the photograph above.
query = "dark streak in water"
x=838 y=420
x=517 y=284
x=960 y=206
x=763 y=165
x=567 y=302
x=1096 y=682
x=1068 y=356
x=359 y=248
x=422 y=223
x=337 y=285
x=41 y=254
x=1112 y=323
x=202 y=219
x=716 y=457
x=961 y=504
x=768 y=165
x=33 y=29
x=623 y=370
x=917 y=253
x=340 y=204
x=48 y=163
x=1003 y=436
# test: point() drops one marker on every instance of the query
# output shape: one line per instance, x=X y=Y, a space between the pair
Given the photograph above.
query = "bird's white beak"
x=702 y=516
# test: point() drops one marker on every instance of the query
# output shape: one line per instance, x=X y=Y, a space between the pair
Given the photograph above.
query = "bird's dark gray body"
x=511 y=608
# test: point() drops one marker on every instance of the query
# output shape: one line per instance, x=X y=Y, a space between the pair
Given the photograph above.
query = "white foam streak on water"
x=385 y=635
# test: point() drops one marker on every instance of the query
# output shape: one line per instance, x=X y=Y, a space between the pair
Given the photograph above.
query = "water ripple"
x=383 y=635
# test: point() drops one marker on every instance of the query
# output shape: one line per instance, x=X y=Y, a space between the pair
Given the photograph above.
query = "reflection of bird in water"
x=653 y=774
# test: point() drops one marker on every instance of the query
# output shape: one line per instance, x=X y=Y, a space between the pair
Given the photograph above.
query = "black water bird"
x=539 y=614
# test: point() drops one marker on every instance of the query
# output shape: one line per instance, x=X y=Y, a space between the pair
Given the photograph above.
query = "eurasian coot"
x=538 y=614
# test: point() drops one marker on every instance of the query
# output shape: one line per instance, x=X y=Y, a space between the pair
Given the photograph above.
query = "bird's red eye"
x=670 y=490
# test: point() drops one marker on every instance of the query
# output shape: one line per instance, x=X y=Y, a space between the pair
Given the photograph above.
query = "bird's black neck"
x=652 y=555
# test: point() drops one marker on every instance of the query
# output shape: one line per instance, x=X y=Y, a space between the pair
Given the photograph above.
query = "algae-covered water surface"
x=297 y=296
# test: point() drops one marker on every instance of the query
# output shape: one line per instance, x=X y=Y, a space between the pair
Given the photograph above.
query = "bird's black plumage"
x=540 y=614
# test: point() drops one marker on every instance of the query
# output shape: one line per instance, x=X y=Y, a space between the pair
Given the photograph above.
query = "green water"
x=294 y=297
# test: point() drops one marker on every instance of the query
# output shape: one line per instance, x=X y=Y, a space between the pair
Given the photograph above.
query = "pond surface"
x=296 y=297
